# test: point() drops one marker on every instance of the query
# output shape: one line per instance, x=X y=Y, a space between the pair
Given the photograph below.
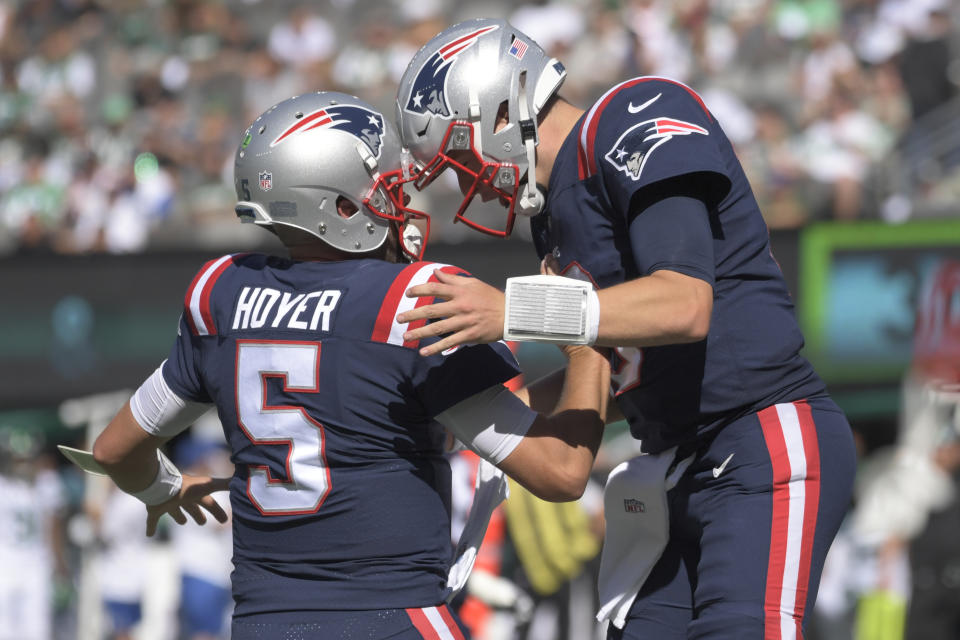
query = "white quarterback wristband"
x=550 y=309
x=165 y=486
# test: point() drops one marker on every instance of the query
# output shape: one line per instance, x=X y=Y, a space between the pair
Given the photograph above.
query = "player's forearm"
x=586 y=382
x=555 y=459
x=127 y=452
x=543 y=395
x=556 y=456
x=663 y=308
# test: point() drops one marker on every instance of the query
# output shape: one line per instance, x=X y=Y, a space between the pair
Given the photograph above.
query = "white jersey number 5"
x=306 y=480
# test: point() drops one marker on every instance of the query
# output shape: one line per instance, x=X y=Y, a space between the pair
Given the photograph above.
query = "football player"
x=31 y=536
x=340 y=499
x=642 y=198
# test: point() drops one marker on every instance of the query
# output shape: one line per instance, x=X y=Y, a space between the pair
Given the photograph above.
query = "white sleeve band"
x=593 y=316
x=491 y=423
x=161 y=412
x=165 y=485
x=551 y=309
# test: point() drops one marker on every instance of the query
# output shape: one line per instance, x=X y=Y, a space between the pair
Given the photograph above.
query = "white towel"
x=491 y=490
x=637 y=529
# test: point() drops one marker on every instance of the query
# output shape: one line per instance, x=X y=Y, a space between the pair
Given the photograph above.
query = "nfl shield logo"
x=631 y=505
x=266 y=180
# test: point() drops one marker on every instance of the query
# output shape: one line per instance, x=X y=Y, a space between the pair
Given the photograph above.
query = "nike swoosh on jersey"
x=723 y=465
x=633 y=109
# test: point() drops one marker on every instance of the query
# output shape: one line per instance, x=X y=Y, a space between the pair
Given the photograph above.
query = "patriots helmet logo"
x=362 y=123
x=428 y=93
x=631 y=151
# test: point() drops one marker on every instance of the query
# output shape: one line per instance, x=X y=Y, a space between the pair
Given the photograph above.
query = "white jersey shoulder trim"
x=386 y=328
x=197 y=299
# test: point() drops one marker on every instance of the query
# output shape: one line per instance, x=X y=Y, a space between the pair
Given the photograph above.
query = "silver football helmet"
x=303 y=156
x=450 y=99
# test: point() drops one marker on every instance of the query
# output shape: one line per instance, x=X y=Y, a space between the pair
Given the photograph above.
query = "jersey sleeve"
x=651 y=138
x=199 y=320
x=674 y=234
x=182 y=369
x=438 y=381
x=445 y=380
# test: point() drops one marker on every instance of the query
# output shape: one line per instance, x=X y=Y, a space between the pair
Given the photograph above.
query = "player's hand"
x=194 y=498
x=472 y=312
x=550 y=267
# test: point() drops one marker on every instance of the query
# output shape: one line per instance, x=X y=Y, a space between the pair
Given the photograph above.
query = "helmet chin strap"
x=532 y=200
x=412 y=240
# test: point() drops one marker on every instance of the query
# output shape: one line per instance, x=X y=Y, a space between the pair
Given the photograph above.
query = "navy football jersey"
x=341 y=491
x=645 y=140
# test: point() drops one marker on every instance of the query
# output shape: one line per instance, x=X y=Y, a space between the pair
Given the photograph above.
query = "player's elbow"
x=107 y=456
x=555 y=458
x=550 y=475
x=691 y=322
x=560 y=490
x=565 y=482
x=685 y=309
x=698 y=322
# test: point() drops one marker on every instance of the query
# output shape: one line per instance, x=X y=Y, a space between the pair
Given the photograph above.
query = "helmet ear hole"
x=345 y=208
x=503 y=116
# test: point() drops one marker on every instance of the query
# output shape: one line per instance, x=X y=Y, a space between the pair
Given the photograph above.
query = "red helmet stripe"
x=319 y=124
x=454 y=52
x=445 y=50
x=300 y=124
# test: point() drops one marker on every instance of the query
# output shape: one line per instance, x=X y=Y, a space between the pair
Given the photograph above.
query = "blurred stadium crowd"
x=118 y=123
x=116 y=116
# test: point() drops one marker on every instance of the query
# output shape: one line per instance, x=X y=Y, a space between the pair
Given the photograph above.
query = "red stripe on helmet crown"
x=322 y=113
x=445 y=50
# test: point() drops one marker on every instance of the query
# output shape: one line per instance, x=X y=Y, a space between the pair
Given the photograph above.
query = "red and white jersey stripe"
x=435 y=623
x=197 y=300
x=791 y=439
x=386 y=328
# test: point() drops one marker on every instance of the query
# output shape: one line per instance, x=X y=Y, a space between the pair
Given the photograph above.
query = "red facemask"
x=392 y=183
x=478 y=177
